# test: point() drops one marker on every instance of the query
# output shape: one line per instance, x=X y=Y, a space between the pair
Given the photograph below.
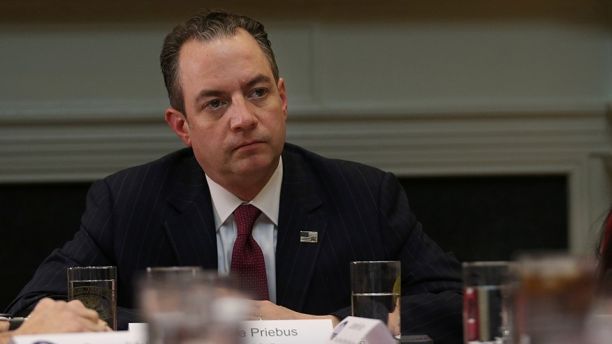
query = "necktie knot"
x=245 y=216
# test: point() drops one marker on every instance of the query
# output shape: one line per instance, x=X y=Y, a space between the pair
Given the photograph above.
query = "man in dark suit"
x=313 y=215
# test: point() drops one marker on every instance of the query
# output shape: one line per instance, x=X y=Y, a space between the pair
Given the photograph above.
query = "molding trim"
x=60 y=145
x=151 y=109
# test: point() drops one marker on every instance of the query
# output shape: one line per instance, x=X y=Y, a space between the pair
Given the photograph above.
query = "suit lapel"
x=191 y=227
x=300 y=210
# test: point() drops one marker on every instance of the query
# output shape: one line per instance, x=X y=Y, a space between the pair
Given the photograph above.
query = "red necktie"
x=247 y=259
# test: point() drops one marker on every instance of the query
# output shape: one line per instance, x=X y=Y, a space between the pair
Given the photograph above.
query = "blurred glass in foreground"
x=182 y=307
x=169 y=272
x=599 y=322
x=554 y=298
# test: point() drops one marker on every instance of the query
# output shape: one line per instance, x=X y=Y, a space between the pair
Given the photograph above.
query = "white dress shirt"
x=265 y=228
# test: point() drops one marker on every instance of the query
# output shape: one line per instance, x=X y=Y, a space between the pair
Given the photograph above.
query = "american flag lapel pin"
x=309 y=237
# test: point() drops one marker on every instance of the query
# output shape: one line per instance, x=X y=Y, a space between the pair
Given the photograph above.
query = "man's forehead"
x=240 y=43
x=222 y=40
x=210 y=57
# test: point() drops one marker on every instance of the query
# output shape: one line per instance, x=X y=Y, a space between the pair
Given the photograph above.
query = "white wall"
x=472 y=92
x=334 y=69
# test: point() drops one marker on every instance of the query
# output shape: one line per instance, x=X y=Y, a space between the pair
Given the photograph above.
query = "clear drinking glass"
x=485 y=313
x=376 y=292
x=96 y=288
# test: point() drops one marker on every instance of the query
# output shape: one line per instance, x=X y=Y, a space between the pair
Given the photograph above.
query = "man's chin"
x=256 y=165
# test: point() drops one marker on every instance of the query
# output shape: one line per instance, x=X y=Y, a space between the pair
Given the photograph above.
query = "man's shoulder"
x=177 y=162
x=298 y=157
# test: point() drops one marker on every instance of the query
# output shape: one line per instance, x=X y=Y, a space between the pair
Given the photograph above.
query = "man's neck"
x=247 y=191
x=248 y=187
x=5 y=337
x=267 y=199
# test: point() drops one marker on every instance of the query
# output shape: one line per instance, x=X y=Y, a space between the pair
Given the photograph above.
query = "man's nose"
x=242 y=115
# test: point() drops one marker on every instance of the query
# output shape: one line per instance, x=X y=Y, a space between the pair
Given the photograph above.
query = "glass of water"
x=485 y=308
x=96 y=288
x=376 y=292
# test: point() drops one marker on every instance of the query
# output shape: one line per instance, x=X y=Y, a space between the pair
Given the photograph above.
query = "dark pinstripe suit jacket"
x=160 y=214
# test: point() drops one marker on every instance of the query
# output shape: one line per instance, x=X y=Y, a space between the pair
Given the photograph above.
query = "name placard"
x=251 y=332
x=286 y=331
x=119 y=337
x=355 y=330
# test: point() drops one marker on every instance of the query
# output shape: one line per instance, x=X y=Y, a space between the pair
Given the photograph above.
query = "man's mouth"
x=247 y=144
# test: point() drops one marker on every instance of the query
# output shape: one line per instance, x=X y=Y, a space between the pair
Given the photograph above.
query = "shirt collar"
x=267 y=200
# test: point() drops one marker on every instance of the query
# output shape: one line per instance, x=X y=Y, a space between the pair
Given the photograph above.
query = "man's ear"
x=178 y=123
x=283 y=95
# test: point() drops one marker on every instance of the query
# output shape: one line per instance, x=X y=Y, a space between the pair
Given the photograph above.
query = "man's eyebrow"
x=258 y=79
x=215 y=93
x=208 y=93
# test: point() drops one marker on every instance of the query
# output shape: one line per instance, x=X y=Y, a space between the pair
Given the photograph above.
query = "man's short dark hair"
x=207 y=26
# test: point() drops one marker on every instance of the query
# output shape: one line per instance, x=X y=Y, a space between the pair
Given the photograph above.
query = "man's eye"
x=214 y=104
x=259 y=92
